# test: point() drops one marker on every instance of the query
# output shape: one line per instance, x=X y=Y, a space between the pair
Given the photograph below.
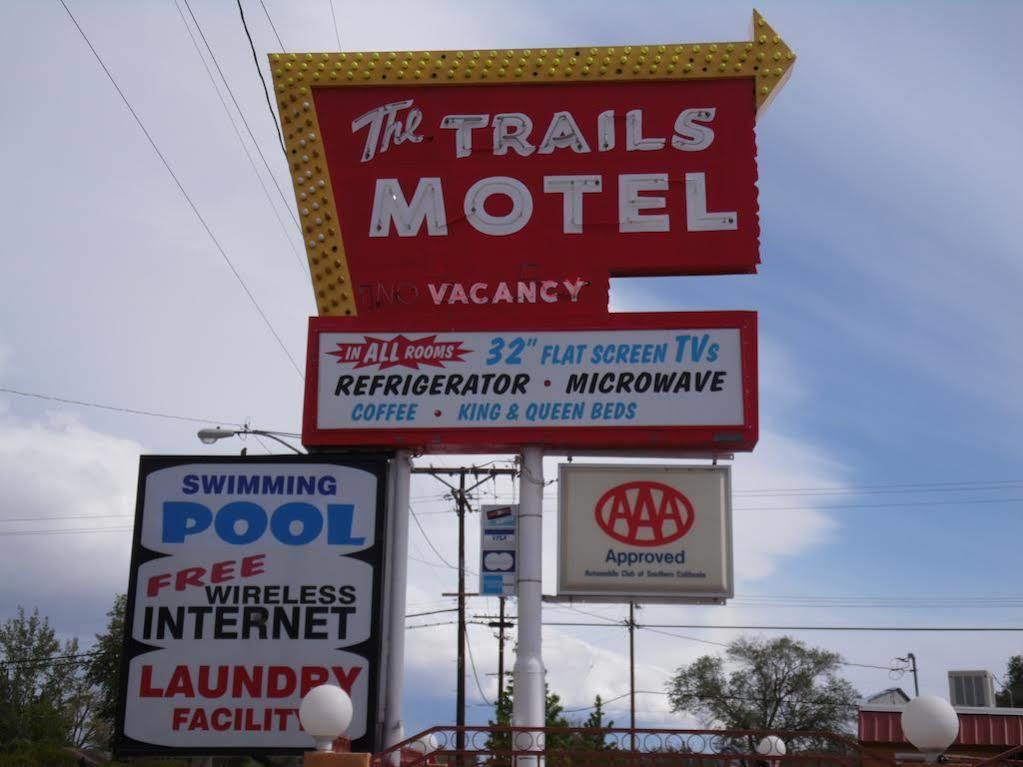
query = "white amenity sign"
x=645 y=533
x=253 y=580
x=499 y=551
x=676 y=377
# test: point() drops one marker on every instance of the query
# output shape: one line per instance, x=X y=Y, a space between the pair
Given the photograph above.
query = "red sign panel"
x=479 y=201
x=681 y=381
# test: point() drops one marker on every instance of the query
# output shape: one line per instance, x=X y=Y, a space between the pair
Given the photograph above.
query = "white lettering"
x=463 y=126
x=511 y=131
x=574 y=287
x=572 y=189
x=385 y=128
x=563 y=133
x=634 y=141
x=697 y=217
x=476 y=293
x=389 y=205
x=693 y=137
x=549 y=291
x=606 y=130
x=498 y=226
x=631 y=205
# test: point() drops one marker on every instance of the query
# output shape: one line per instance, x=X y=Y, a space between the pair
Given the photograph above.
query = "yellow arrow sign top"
x=766 y=58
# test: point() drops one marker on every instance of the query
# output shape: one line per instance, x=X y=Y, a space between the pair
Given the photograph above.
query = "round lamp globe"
x=325 y=713
x=931 y=724
x=771 y=745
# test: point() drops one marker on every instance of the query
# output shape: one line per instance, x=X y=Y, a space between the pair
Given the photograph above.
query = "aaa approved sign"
x=672 y=380
x=645 y=533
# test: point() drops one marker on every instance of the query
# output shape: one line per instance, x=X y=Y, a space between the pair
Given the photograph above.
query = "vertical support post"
x=394 y=727
x=500 y=651
x=528 y=706
x=916 y=682
x=460 y=687
x=632 y=675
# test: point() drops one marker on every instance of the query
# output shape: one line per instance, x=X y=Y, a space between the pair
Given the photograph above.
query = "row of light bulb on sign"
x=929 y=723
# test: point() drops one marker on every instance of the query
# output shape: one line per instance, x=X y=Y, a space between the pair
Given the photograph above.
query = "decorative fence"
x=622 y=747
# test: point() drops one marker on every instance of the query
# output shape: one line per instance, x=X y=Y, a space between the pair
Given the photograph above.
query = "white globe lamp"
x=771 y=745
x=325 y=713
x=931 y=724
x=425 y=745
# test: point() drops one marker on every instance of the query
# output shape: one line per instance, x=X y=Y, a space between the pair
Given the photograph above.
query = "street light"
x=209 y=436
x=931 y=724
x=325 y=713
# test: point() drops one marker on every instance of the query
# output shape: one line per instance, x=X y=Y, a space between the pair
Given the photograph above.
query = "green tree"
x=40 y=685
x=778 y=684
x=1012 y=685
x=104 y=670
x=597 y=739
x=553 y=717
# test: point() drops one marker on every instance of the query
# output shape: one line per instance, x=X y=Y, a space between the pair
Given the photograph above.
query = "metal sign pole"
x=394 y=729
x=528 y=704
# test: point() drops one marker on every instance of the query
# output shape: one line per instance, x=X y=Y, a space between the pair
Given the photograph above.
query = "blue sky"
x=889 y=303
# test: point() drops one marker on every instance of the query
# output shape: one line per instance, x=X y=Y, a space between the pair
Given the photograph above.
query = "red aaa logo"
x=644 y=513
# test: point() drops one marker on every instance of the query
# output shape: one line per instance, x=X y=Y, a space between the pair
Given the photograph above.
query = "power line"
x=475 y=675
x=80 y=530
x=248 y=129
x=259 y=70
x=428 y=541
x=65 y=516
x=267 y=14
x=181 y=188
x=237 y=133
x=433 y=612
x=333 y=17
x=913 y=487
x=115 y=408
x=939 y=629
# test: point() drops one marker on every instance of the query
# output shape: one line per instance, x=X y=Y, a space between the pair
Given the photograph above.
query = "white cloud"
x=58 y=474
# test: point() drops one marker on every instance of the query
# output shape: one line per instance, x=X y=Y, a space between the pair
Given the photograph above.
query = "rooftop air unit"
x=971 y=688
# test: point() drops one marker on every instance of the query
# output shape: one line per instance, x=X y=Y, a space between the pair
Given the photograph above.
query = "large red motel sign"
x=487 y=190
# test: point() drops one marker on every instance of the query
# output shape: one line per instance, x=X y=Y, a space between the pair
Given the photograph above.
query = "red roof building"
x=983 y=732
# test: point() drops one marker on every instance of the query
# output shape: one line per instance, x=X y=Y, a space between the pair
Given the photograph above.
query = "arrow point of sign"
x=776 y=60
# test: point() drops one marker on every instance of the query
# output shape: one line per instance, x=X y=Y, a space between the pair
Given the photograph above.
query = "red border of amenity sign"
x=632 y=381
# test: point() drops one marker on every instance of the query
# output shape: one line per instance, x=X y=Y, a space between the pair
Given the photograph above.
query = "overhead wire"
x=475 y=674
x=116 y=408
x=245 y=122
x=266 y=92
x=271 y=21
x=181 y=188
x=248 y=155
x=333 y=17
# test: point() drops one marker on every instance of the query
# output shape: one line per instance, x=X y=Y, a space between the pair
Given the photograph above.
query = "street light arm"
x=209 y=436
x=274 y=437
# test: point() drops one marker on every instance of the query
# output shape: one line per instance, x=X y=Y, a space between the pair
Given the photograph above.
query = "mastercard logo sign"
x=644 y=513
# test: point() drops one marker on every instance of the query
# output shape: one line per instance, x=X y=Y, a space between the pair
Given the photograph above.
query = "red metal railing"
x=622 y=747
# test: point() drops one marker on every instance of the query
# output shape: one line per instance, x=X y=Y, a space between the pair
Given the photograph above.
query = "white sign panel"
x=499 y=550
x=543 y=378
x=645 y=533
x=253 y=580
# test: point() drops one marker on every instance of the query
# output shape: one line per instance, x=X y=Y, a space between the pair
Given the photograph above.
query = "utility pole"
x=461 y=506
x=632 y=674
x=460 y=689
x=911 y=659
x=500 y=624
